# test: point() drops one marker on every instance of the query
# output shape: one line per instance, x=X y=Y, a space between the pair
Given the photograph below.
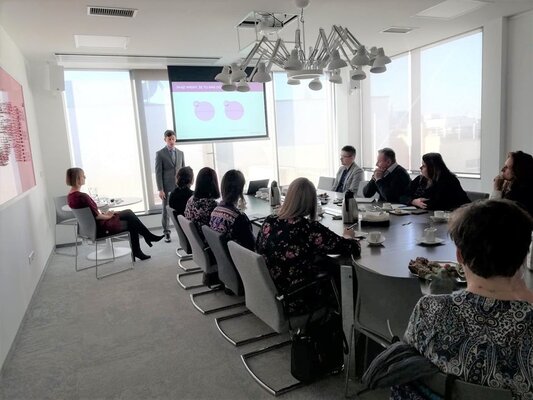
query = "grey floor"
x=136 y=335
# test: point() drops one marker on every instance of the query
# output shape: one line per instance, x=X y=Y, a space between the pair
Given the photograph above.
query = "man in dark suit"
x=349 y=174
x=168 y=161
x=390 y=179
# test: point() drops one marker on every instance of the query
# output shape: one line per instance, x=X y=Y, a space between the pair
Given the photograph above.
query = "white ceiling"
x=206 y=28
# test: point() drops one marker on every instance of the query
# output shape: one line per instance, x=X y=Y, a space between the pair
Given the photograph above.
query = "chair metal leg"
x=247 y=356
x=351 y=347
x=238 y=343
x=216 y=309
x=178 y=276
x=185 y=267
x=113 y=250
x=76 y=259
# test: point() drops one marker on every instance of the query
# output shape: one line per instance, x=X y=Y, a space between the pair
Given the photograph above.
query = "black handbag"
x=318 y=349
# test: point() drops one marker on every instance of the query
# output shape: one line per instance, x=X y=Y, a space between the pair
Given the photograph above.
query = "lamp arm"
x=352 y=38
x=343 y=36
x=255 y=67
x=274 y=53
x=252 y=53
x=348 y=60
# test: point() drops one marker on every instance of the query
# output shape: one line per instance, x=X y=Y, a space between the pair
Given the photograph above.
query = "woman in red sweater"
x=109 y=222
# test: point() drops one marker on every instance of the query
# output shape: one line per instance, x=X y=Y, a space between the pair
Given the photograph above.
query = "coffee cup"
x=439 y=214
x=374 y=237
x=387 y=206
x=429 y=235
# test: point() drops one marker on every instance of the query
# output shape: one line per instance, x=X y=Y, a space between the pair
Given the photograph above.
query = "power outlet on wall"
x=31 y=256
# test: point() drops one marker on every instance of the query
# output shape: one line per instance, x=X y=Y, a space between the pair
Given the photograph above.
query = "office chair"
x=64 y=218
x=184 y=251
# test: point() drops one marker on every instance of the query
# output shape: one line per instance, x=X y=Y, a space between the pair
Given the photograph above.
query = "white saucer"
x=380 y=241
x=424 y=241
x=438 y=219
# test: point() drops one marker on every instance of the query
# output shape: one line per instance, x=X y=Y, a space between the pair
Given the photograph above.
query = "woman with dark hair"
x=109 y=222
x=293 y=241
x=204 y=199
x=483 y=334
x=515 y=182
x=436 y=188
x=179 y=196
x=226 y=217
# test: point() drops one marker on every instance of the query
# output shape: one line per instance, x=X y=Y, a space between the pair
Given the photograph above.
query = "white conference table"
x=109 y=251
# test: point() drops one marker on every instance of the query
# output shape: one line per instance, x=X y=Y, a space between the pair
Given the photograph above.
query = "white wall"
x=25 y=225
x=520 y=84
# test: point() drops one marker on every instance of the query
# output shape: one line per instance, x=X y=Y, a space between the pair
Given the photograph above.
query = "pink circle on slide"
x=204 y=110
x=233 y=109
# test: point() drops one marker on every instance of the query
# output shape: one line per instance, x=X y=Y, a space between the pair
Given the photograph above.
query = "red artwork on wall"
x=16 y=164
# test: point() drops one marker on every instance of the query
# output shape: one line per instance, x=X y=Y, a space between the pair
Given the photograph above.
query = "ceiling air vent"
x=111 y=12
x=397 y=29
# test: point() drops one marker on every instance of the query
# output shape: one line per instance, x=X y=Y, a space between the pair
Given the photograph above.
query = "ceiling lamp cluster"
x=331 y=53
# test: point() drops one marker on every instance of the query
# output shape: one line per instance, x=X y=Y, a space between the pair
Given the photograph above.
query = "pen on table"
x=407 y=223
x=353 y=226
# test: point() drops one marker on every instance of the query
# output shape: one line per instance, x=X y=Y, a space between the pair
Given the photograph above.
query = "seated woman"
x=179 y=196
x=482 y=334
x=292 y=241
x=109 y=222
x=203 y=201
x=226 y=217
x=515 y=182
x=436 y=188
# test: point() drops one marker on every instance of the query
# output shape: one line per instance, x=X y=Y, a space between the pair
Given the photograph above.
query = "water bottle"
x=350 y=212
x=275 y=194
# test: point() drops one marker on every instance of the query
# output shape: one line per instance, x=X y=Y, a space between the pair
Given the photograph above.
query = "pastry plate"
x=426 y=243
x=454 y=266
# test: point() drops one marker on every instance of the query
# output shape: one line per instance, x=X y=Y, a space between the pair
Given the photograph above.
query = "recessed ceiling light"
x=398 y=29
x=112 y=42
x=451 y=9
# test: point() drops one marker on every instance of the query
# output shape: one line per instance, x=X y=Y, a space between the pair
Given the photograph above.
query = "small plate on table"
x=399 y=211
x=378 y=243
x=424 y=242
x=438 y=219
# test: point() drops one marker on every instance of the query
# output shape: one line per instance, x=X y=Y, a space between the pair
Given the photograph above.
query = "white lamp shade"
x=291 y=81
x=229 y=87
x=293 y=63
x=336 y=61
x=381 y=57
x=378 y=66
x=315 y=84
x=335 y=77
x=361 y=57
x=242 y=86
x=223 y=76
x=301 y=3
x=236 y=73
x=357 y=74
x=261 y=75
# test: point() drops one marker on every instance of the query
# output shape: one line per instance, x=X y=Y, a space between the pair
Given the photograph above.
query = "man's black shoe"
x=167 y=237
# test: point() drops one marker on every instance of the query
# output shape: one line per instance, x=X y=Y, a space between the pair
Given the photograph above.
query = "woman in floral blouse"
x=484 y=334
x=291 y=242
x=202 y=203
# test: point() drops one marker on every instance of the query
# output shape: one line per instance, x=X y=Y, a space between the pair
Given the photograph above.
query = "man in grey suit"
x=349 y=174
x=168 y=161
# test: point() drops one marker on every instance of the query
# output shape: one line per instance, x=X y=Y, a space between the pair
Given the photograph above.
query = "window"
x=103 y=134
x=428 y=101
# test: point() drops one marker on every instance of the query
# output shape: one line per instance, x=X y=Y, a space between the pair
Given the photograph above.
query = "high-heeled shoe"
x=141 y=256
x=153 y=238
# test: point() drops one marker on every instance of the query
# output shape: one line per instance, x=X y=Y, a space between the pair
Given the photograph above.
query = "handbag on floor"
x=318 y=349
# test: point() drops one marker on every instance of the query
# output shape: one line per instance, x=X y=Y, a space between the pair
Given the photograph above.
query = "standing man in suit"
x=168 y=161
x=349 y=174
x=390 y=179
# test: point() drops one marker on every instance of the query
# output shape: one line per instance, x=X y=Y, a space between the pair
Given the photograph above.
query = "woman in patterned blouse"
x=484 y=334
x=292 y=241
x=202 y=203
x=226 y=217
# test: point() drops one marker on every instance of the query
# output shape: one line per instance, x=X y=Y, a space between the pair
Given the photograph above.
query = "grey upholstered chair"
x=462 y=390
x=184 y=251
x=87 y=230
x=383 y=307
x=473 y=196
x=203 y=257
x=263 y=300
x=64 y=218
x=325 y=182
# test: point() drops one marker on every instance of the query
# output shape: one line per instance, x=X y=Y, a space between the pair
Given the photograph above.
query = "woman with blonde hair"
x=110 y=221
x=292 y=241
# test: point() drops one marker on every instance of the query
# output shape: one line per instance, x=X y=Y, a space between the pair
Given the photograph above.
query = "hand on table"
x=420 y=202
